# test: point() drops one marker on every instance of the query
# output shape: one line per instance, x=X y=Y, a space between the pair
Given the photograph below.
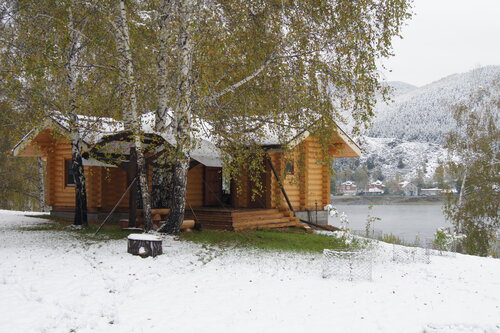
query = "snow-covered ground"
x=51 y=282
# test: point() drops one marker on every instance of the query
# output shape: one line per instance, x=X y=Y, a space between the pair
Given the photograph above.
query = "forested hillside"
x=407 y=136
x=424 y=114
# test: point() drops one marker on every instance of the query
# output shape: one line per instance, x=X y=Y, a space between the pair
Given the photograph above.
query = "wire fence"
x=404 y=254
x=347 y=265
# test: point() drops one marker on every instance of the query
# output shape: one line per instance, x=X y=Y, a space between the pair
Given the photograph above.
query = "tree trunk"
x=182 y=120
x=461 y=198
x=80 y=219
x=131 y=117
x=162 y=185
x=80 y=185
x=162 y=169
x=41 y=185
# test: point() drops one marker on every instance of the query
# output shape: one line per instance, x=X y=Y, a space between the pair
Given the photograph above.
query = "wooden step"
x=257 y=212
x=276 y=220
x=273 y=225
x=259 y=218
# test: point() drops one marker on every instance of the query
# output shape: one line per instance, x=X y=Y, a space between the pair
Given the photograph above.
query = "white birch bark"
x=131 y=117
x=74 y=127
x=162 y=171
x=182 y=118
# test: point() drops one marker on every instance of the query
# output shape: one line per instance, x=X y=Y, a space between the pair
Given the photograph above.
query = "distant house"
x=348 y=188
x=431 y=191
x=409 y=189
x=375 y=188
x=449 y=191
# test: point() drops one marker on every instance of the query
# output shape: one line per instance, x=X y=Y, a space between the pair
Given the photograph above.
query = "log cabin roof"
x=95 y=130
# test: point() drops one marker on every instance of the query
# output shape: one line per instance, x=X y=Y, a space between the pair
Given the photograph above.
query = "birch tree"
x=131 y=116
x=474 y=146
x=51 y=62
x=163 y=171
x=239 y=66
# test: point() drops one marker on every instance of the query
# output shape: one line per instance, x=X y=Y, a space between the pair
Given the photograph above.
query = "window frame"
x=68 y=165
x=289 y=170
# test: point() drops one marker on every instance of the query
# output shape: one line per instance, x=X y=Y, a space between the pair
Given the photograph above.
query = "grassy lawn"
x=290 y=239
x=108 y=231
x=286 y=239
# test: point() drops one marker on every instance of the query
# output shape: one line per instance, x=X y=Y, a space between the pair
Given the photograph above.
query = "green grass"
x=108 y=231
x=391 y=239
x=270 y=239
x=289 y=239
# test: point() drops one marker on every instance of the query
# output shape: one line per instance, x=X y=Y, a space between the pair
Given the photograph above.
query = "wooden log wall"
x=239 y=191
x=195 y=186
x=105 y=186
x=113 y=184
x=314 y=174
x=310 y=183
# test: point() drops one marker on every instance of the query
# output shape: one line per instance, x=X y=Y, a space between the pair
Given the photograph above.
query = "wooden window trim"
x=290 y=170
x=67 y=163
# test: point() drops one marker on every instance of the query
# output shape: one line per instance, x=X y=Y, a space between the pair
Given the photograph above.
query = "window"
x=289 y=167
x=68 y=172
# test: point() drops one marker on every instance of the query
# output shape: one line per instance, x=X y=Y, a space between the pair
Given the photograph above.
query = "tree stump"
x=144 y=245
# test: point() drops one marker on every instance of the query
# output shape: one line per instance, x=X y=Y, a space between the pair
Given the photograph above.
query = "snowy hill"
x=424 y=114
x=400 y=88
x=407 y=135
x=88 y=287
x=404 y=157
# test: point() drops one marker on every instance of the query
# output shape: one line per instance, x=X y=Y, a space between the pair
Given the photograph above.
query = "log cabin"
x=294 y=183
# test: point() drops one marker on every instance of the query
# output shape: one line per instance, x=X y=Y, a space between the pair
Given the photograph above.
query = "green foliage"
x=18 y=177
x=259 y=68
x=285 y=240
x=265 y=69
x=446 y=240
x=474 y=212
x=392 y=239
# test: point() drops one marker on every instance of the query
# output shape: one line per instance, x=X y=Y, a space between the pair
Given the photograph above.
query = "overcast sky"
x=446 y=37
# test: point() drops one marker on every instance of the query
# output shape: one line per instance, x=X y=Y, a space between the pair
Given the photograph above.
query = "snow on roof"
x=94 y=129
x=91 y=129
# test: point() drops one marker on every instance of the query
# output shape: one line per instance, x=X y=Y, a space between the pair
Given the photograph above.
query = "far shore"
x=387 y=200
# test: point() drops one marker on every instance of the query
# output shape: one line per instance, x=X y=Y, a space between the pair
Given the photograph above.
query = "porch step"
x=268 y=225
x=236 y=219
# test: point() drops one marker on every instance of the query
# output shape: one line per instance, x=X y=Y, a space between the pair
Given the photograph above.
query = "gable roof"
x=95 y=130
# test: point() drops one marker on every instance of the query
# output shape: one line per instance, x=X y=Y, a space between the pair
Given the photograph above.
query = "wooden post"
x=268 y=159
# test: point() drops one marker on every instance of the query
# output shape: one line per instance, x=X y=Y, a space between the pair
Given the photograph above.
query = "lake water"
x=405 y=221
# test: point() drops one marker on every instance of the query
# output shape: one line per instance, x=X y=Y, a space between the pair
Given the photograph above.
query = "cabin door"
x=213 y=186
x=262 y=199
